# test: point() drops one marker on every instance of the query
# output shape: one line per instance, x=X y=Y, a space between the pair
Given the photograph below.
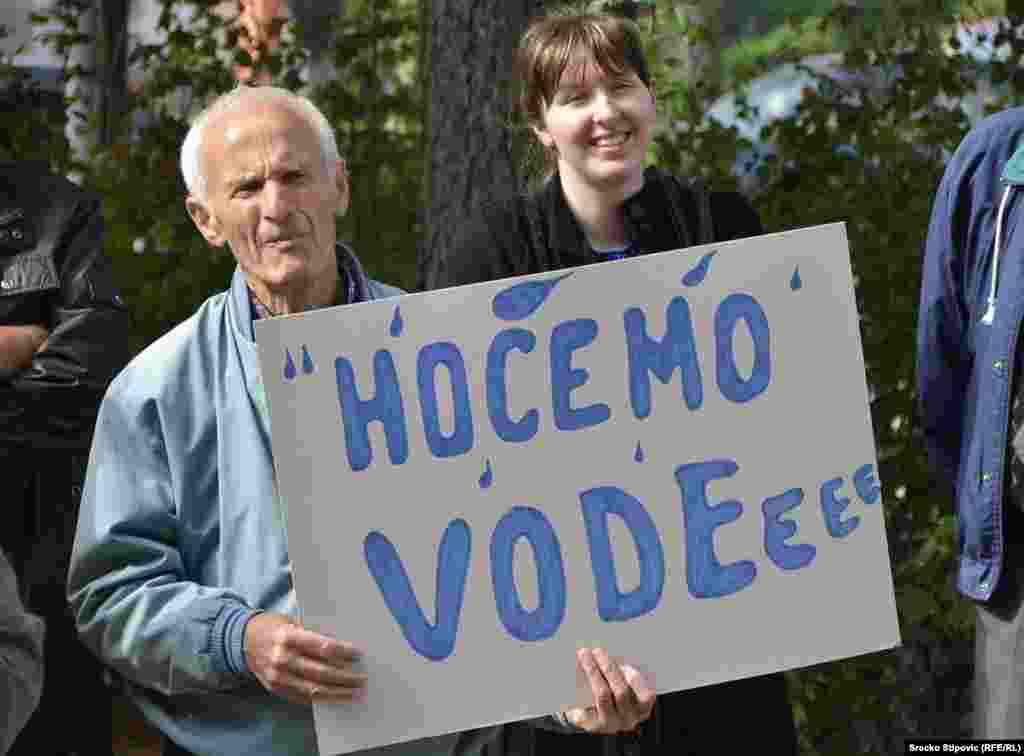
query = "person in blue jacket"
x=180 y=575
x=971 y=397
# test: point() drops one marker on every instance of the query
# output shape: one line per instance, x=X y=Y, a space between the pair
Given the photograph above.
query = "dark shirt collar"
x=351 y=286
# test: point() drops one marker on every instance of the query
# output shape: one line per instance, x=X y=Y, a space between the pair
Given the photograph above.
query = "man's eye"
x=247 y=189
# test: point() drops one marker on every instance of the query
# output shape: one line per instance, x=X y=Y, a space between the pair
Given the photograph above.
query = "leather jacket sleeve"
x=53 y=403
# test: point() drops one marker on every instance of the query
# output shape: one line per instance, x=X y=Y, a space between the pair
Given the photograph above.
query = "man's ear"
x=204 y=221
x=341 y=180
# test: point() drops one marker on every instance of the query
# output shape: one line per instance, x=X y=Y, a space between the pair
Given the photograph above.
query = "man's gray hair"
x=242 y=96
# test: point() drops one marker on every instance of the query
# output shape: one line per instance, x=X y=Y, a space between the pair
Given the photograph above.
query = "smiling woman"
x=590 y=101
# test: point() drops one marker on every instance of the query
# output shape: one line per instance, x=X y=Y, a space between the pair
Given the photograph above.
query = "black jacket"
x=53 y=272
x=536 y=233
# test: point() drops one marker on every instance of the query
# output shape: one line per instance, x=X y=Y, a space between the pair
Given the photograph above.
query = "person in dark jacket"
x=971 y=397
x=63 y=336
x=588 y=97
x=21 y=658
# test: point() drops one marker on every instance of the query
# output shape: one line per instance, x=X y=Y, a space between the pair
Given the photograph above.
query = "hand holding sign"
x=623 y=699
x=299 y=664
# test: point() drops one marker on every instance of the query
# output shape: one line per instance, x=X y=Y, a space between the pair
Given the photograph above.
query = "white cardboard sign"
x=669 y=456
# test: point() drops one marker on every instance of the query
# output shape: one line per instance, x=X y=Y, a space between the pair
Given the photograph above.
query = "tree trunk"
x=470 y=158
x=113 y=68
x=700 y=52
x=81 y=89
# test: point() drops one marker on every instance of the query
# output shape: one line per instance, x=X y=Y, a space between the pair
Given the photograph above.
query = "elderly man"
x=180 y=575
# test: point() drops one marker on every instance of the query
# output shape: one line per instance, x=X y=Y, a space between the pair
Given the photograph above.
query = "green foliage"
x=376 y=107
x=163 y=266
x=32 y=120
x=872 y=157
x=797 y=28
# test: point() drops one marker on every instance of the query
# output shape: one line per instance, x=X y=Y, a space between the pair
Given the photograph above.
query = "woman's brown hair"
x=550 y=44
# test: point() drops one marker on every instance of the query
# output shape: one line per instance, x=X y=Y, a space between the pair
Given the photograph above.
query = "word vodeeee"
x=646 y=355
x=706 y=577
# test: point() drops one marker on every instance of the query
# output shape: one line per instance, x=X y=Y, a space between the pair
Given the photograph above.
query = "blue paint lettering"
x=832 y=507
x=734 y=308
x=434 y=641
x=542 y=622
x=565 y=339
x=646 y=355
x=461 y=439
x=866 y=484
x=612 y=604
x=385 y=406
x=706 y=577
x=505 y=427
x=777 y=531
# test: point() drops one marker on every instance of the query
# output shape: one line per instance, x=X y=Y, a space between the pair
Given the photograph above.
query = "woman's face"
x=600 y=125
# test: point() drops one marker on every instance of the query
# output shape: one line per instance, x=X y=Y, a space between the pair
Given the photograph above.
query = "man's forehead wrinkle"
x=246 y=144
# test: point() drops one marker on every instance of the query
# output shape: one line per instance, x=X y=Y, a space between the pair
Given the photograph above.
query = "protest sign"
x=669 y=456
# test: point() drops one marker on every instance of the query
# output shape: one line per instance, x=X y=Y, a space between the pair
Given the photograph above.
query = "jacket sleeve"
x=943 y=363
x=54 y=401
x=129 y=586
x=21 y=659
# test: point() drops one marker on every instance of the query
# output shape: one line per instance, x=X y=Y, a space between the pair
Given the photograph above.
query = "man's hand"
x=623 y=699
x=301 y=665
x=18 y=344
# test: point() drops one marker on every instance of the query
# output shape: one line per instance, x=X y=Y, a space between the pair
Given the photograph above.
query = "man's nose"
x=277 y=204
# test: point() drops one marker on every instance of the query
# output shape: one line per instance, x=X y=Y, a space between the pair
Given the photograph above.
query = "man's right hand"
x=300 y=665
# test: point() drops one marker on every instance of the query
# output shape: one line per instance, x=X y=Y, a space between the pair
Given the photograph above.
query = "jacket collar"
x=348 y=264
x=1013 y=171
x=565 y=235
x=648 y=222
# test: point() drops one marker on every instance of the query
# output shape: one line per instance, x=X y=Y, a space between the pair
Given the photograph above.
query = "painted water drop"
x=523 y=299
x=289 y=366
x=488 y=477
x=397 y=324
x=307 y=361
x=638 y=455
x=697 y=275
x=795 y=283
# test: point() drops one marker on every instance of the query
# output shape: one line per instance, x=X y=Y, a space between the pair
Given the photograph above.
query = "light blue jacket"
x=181 y=538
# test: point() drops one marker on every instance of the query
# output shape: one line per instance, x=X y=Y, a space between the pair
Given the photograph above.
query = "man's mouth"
x=279 y=241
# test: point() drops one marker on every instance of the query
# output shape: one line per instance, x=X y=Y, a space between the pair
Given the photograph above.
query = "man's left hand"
x=622 y=698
